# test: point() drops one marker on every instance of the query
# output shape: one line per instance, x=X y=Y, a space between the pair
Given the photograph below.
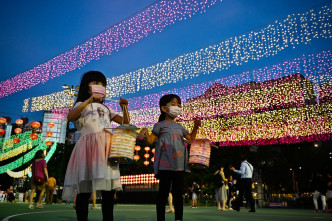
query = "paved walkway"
x=63 y=212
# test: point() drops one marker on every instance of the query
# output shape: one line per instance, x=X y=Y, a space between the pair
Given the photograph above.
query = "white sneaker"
x=31 y=206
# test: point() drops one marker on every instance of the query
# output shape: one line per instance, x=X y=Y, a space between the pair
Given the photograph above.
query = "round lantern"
x=51 y=124
x=146 y=163
x=16 y=140
x=152 y=159
x=18 y=130
x=137 y=148
x=48 y=143
x=199 y=155
x=153 y=150
x=35 y=124
x=19 y=122
x=146 y=155
x=49 y=134
x=34 y=136
x=3 y=120
x=146 y=148
x=136 y=157
x=2 y=132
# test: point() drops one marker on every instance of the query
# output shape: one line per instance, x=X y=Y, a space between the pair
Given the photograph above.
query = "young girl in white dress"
x=88 y=168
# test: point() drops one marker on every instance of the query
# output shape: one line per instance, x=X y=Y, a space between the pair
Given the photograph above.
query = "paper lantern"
x=19 y=122
x=137 y=148
x=2 y=132
x=123 y=144
x=51 y=124
x=153 y=150
x=199 y=155
x=48 y=143
x=3 y=120
x=146 y=163
x=34 y=136
x=35 y=124
x=49 y=134
x=18 y=130
x=146 y=155
x=152 y=159
x=16 y=140
x=146 y=148
x=136 y=157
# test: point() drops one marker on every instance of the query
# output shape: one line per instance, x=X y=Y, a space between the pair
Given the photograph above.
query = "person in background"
x=195 y=191
x=230 y=192
x=221 y=192
x=39 y=169
x=10 y=195
x=50 y=185
x=244 y=185
x=170 y=203
x=328 y=207
x=319 y=184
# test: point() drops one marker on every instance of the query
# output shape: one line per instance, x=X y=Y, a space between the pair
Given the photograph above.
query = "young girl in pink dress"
x=88 y=168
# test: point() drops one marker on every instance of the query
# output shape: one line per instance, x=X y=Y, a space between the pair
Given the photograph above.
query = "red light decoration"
x=153 y=150
x=146 y=163
x=19 y=122
x=146 y=148
x=49 y=134
x=51 y=124
x=16 y=140
x=137 y=148
x=2 y=132
x=146 y=155
x=34 y=136
x=136 y=157
x=48 y=143
x=3 y=120
x=152 y=159
x=35 y=124
x=18 y=130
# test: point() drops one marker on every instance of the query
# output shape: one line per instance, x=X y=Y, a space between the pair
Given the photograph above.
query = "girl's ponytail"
x=162 y=116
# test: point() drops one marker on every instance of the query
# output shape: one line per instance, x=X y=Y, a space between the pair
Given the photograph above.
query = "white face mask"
x=98 y=89
x=174 y=111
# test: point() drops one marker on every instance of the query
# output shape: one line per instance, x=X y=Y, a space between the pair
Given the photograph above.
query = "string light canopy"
x=150 y=20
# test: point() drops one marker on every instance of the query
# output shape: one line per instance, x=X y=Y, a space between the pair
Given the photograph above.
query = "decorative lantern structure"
x=146 y=163
x=49 y=134
x=16 y=140
x=48 y=143
x=35 y=124
x=2 y=131
x=136 y=156
x=199 y=155
x=34 y=136
x=50 y=125
x=123 y=144
x=18 y=130
x=19 y=122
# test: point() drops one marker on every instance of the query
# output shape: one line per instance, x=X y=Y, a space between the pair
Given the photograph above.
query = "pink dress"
x=88 y=167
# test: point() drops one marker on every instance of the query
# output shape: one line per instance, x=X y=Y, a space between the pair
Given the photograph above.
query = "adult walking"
x=246 y=172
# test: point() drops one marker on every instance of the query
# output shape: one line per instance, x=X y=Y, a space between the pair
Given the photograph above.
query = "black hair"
x=39 y=154
x=164 y=100
x=83 y=93
x=243 y=157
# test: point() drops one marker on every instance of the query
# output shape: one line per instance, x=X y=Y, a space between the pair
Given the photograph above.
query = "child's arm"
x=125 y=119
x=150 y=139
x=192 y=136
x=76 y=112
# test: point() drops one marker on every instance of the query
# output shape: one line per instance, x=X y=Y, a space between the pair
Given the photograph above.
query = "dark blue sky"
x=33 y=32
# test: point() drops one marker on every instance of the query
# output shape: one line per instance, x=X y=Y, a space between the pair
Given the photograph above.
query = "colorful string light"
x=150 y=20
x=139 y=179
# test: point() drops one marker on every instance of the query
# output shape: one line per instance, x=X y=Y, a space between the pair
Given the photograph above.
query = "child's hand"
x=95 y=98
x=197 y=123
x=123 y=102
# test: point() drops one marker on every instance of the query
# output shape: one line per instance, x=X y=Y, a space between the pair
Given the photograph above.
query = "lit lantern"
x=48 y=143
x=16 y=140
x=19 y=122
x=136 y=157
x=153 y=150
x=18 y=130
x=2 y=132
x=35 y=124
x=146 y=163
x=3 y=120
x=152 y=159
x=146 y=148
x=146 y=155
x=137 y=148
x=51 y=124
x=34 y=136
x=49 y=134
x=199 y=155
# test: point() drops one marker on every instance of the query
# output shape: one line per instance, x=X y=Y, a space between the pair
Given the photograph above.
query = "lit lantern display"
x=49 y=134
x=123 y=144
x=199 y=155
x=3 y=120
x=136 y=156
x=33 y=136
x=48 y=143
x=2 y=131
x=18 y=130
x=16 y=140
x=19 y=122
x=51 y=124
x=146 y=163
x=35 y=124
